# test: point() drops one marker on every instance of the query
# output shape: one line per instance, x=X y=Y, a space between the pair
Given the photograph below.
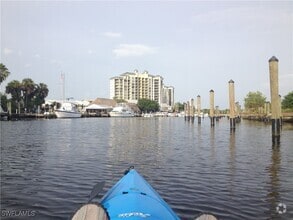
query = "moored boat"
x=121 y=111
x=67 y=110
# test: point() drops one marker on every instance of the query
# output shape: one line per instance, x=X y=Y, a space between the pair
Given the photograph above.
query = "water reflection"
x=194 y=167
x=130 y=139
x=212 y=143
x=274 y=169
x=199 y=134
x=20 y=164
x=232 y=150
x=232 y=161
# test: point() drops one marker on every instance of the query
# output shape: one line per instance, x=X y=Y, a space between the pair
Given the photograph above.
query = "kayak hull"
x=132 y=197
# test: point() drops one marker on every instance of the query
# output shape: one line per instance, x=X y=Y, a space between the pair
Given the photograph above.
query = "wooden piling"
x=192 y=110
x=217 y=113
x=198 y=109
x=275 y=99
x=188 y=111
x=237 y=112
x=212 y=114
x=185 y=111
x=232 y=104
x=280 y=110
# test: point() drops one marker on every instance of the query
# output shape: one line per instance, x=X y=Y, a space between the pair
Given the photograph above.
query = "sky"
x=195 y=46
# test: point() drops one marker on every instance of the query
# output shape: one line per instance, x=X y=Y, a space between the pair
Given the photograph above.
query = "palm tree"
x=4 y=73
x=28 y=89
x=41 y=92
x=14 y=88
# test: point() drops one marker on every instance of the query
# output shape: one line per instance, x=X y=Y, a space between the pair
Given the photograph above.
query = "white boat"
x=121 y=111
x=67 y=110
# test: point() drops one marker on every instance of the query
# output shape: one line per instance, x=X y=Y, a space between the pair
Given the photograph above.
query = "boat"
x=121 y=111
x=132 y=197
x=67 y=110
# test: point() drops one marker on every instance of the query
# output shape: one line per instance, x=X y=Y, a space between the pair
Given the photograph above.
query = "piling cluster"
x=235 y=109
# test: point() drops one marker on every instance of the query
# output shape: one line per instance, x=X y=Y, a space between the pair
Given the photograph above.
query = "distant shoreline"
x=286 y=117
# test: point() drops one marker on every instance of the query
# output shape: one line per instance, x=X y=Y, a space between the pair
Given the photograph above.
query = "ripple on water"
x=51 y=165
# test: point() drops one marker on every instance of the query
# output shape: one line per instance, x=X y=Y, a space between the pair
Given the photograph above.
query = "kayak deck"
x=90 y=212
x=132 y=197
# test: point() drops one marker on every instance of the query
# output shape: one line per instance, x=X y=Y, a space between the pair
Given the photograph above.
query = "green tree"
x=287 y=102
x=147 y=105
x=119 y=100
x=3 y=102
x=254 y=100
x=4 y=73
x=179 y=107
x=14 y=88
x=28 y=92
x=40 y=93
x=206 y=111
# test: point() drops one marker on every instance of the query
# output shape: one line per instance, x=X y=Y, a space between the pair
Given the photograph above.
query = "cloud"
x=126 y=50
x=112 y=34
x=7 y=51
x=37 y=56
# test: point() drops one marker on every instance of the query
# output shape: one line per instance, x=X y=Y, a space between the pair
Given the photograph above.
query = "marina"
x=172 y=110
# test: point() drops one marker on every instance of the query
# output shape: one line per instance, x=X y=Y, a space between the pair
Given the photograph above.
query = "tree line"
x=255 y=100
x=26 y=95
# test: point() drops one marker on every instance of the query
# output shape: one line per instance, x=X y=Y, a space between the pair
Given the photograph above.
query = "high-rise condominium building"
x=134 y=86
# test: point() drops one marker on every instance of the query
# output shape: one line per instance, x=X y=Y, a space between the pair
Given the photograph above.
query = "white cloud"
x=37 y=56
x=112 y=34
x=7 y=51
x=126 y=50
x=27 y=65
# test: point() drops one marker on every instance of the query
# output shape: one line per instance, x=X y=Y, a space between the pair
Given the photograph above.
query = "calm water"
x=48 y=167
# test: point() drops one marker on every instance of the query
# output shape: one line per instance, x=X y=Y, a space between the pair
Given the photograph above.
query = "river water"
x=48 y=167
